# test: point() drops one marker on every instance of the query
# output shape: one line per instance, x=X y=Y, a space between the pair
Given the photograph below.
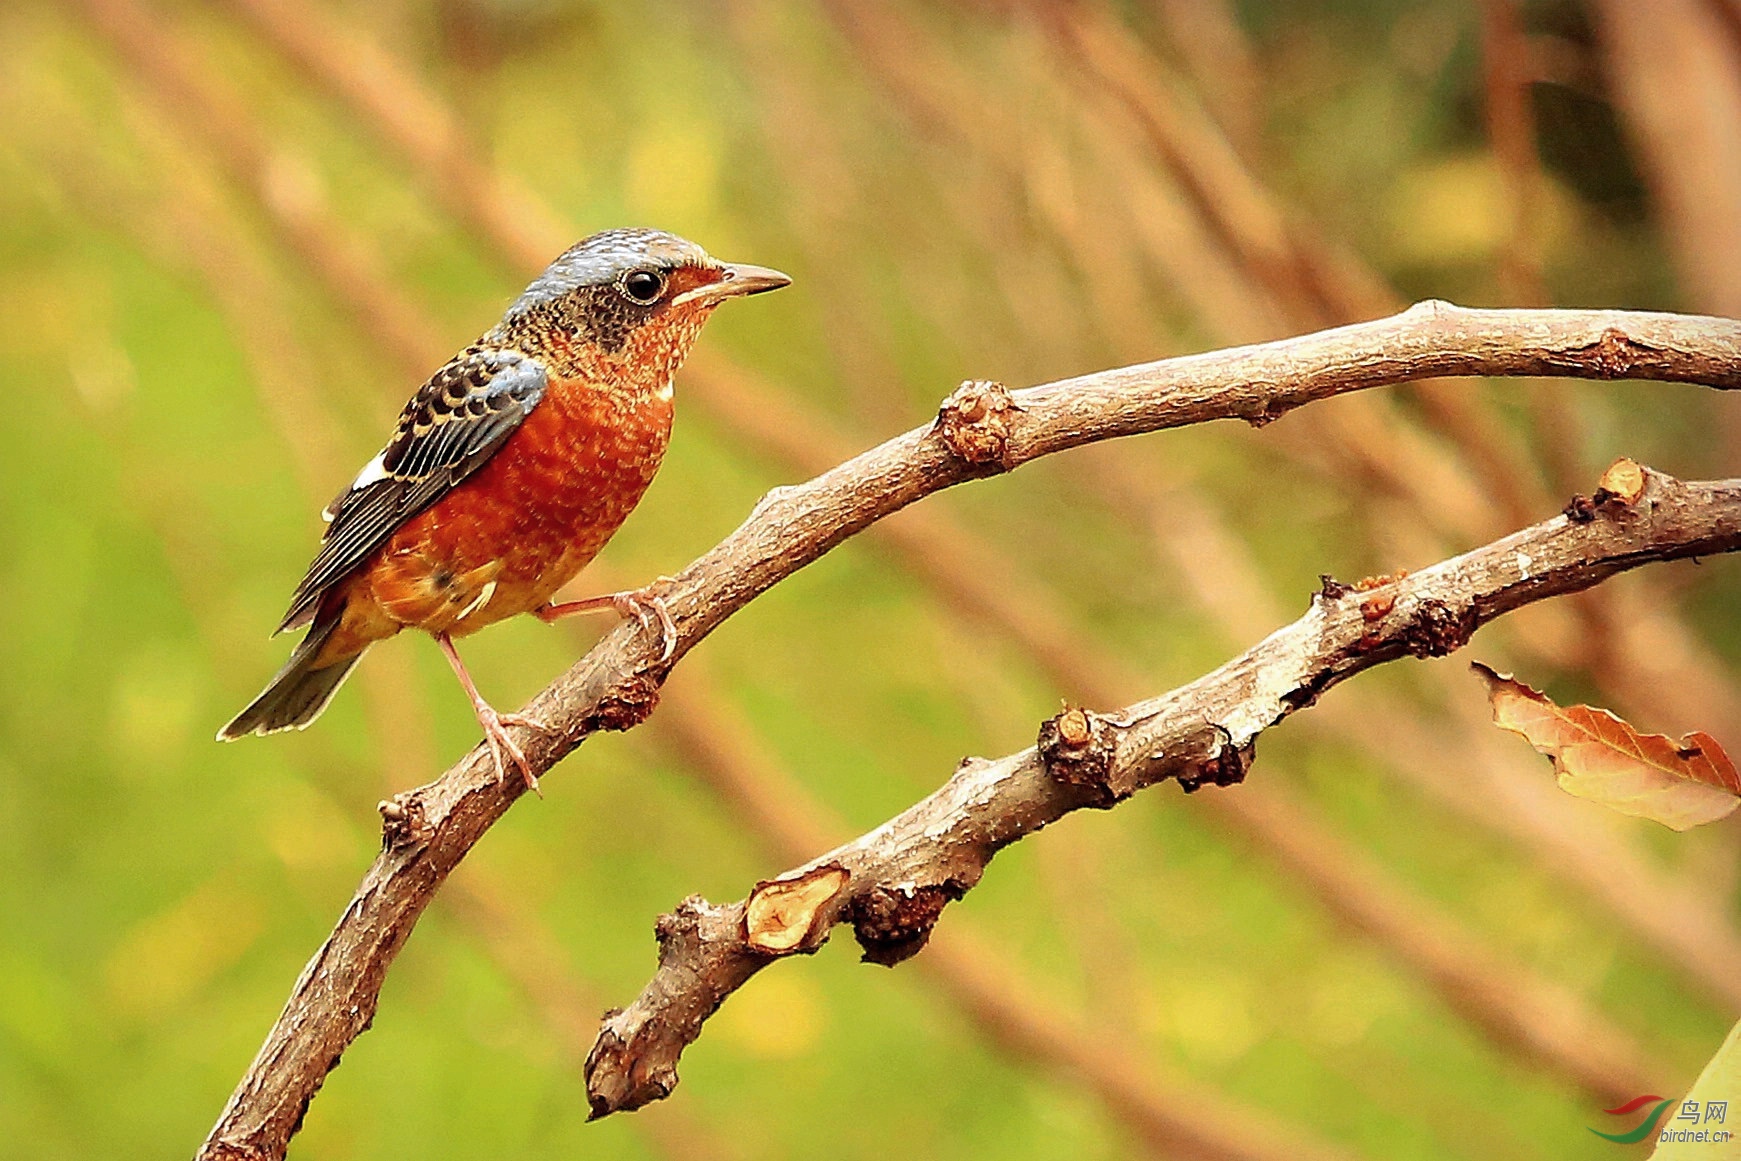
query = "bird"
x=506 y=473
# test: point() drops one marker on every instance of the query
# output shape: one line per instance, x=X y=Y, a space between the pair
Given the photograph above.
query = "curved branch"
x=892 y=883
x=981 y=430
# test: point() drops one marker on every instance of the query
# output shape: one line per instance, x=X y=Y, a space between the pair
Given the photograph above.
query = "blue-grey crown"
x=605 y=257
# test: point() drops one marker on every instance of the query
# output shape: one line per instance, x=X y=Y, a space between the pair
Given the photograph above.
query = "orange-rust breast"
x=531 y=518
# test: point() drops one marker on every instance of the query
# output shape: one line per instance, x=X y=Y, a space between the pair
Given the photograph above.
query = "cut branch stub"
x=1623 y=481
x=786 y=915
x=1620 y=487
x=975 y=423
x=1079 y=748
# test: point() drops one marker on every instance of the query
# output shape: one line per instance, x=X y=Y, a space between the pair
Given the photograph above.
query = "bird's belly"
x=506 y=539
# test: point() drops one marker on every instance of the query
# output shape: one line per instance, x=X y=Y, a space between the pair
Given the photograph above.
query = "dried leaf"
x=1598 y=756
x=1624 y=480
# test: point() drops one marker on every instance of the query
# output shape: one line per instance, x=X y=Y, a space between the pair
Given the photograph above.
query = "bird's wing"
x=448 y=430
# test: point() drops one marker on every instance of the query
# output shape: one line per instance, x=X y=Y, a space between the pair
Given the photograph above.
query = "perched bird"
x=507 y=473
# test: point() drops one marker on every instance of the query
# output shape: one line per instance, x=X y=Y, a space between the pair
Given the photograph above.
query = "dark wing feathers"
x=448 y=430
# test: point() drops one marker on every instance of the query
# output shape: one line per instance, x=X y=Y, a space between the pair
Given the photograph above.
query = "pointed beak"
x=738 y=280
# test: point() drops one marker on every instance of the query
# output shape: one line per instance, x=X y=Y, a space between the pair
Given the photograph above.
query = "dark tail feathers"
x=297 y=695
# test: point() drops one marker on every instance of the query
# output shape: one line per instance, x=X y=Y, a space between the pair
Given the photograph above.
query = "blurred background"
x=234 y=236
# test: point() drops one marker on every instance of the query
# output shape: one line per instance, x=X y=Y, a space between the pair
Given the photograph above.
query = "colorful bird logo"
x=1645 y=1127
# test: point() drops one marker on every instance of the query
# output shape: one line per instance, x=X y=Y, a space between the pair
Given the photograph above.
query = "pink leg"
x=494 y=724
x=644 y=605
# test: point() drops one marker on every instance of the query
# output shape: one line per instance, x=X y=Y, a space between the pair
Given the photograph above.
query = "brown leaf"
x=1624 y=480
x=1598 y=756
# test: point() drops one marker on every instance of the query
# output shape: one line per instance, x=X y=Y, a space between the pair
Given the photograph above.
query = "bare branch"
x=892 y=883
x=981 y=430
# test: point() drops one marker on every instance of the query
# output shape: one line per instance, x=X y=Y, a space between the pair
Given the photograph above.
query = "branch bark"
x=981 y=430
x=892 y=883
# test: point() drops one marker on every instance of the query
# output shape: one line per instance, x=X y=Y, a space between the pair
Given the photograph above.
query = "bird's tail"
x=299 y=692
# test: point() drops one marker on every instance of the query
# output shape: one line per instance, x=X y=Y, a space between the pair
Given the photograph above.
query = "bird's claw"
x=649 y=609
x=496 y=734
x=644 y=605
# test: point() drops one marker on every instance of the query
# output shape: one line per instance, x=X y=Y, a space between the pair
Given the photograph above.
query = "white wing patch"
x=375 y=469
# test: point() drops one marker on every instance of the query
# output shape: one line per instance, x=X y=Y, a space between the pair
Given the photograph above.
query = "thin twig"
x=1687 y=922
x=1161 y=1105
x=1511 y=1002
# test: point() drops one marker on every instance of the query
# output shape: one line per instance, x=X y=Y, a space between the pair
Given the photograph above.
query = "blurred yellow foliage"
x=168 y=958
x=779 y=1015
x=1450 y=211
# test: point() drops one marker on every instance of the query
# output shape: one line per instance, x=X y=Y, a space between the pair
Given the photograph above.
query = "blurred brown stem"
x=1506 y=77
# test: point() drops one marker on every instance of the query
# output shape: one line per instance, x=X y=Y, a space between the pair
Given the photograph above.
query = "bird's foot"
x=494 y=724
x=644 y=604
x=649 y=609
x=505 y=749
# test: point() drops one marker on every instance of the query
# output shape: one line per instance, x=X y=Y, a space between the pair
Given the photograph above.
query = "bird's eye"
x=643 y=286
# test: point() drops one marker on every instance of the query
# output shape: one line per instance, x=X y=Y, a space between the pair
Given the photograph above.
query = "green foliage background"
x=159 y=481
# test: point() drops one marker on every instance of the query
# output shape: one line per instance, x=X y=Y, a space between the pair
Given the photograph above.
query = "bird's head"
x=627 y=303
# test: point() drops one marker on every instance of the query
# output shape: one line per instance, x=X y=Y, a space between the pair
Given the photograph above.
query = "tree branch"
x=892 y=883
x=981 y=430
